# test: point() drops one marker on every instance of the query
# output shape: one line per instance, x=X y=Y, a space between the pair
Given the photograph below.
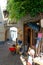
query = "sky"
x=3 y=4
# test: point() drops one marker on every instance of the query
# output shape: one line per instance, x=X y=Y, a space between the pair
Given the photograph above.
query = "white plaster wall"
x=2 y=28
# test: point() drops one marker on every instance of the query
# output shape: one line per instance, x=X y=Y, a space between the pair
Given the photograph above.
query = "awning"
x=34 y=26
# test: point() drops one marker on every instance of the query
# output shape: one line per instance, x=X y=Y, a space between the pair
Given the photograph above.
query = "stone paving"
x=6 y=58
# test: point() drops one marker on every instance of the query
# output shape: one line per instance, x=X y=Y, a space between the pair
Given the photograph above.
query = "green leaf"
x=19 y=8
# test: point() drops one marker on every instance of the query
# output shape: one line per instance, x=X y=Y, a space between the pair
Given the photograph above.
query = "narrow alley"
x=6 y=58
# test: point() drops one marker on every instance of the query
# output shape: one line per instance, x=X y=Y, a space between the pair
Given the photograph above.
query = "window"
x=5 y=14
x=13 y=33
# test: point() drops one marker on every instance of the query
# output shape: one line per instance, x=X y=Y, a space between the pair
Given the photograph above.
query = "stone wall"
x=21 y=23
x=19 y=27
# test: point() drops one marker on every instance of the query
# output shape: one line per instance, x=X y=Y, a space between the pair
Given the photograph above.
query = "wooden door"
x=27 y=35
x=5 y=35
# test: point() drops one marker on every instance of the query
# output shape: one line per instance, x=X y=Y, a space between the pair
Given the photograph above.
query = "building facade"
x=24 y=32
x=3 y=20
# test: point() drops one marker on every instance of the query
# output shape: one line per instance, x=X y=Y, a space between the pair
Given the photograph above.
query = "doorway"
x=27 y=36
